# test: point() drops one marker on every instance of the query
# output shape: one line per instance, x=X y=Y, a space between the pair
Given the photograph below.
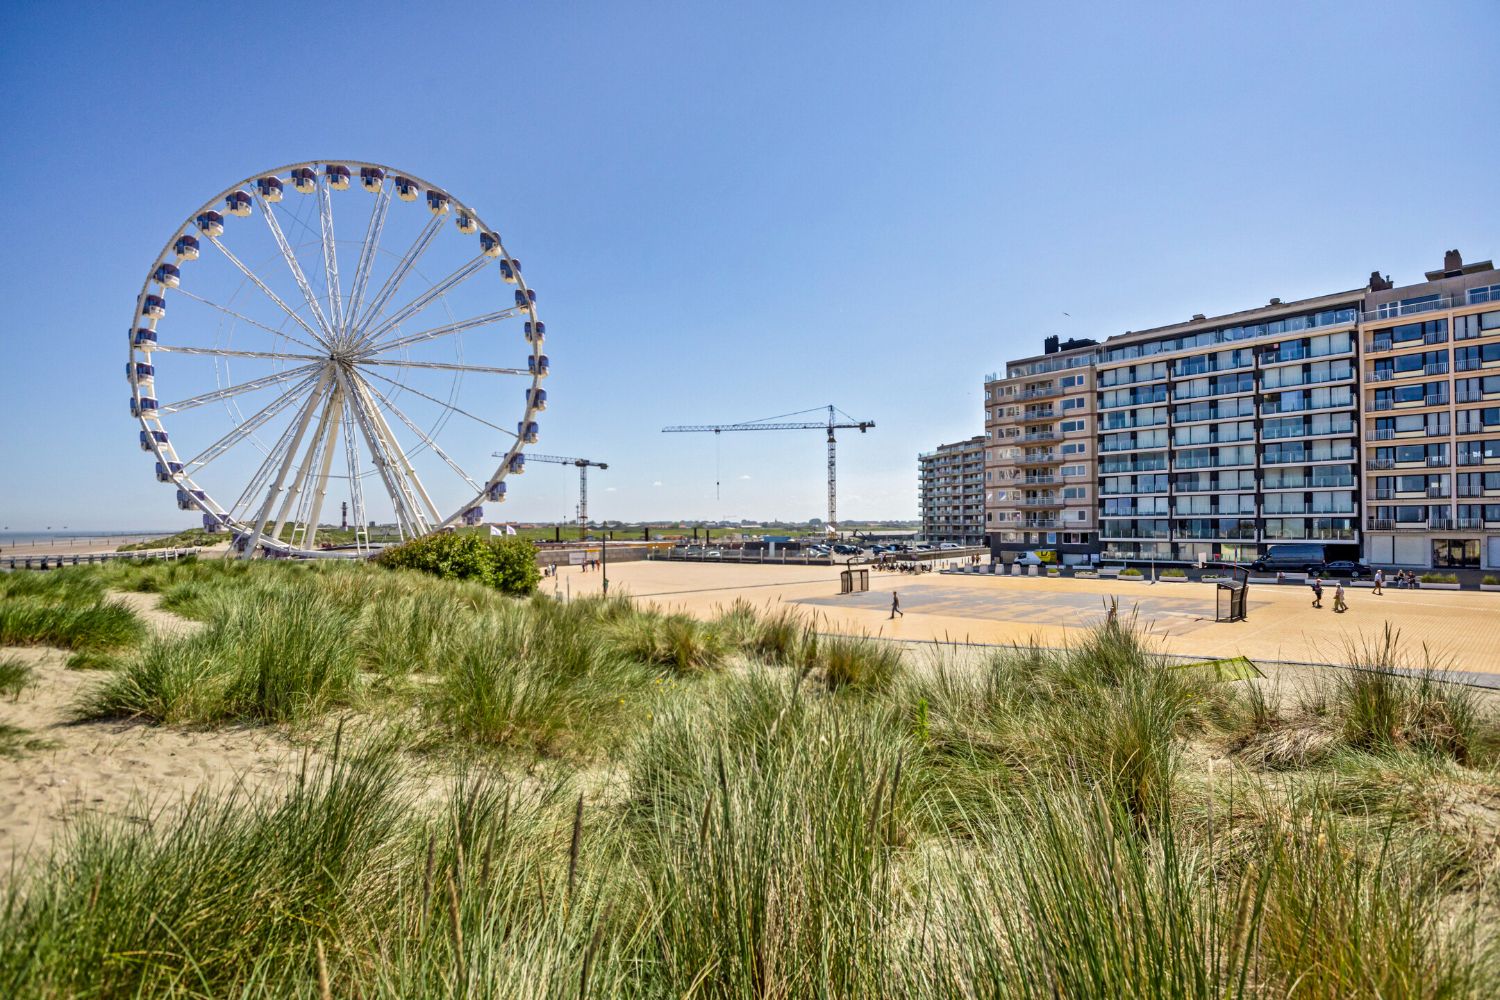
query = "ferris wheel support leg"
x=320 y=487
x=304 y=468
x=404 y=466
x=406 y=515
x=286 y=465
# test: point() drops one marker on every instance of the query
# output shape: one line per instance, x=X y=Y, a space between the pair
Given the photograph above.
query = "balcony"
x=1039 y=436
x=1395 y=310
x=1038 y=481
x=1039 y=501
x=1433 y=524
x=1042 y=523
x=1040 y=458
x=1054 y=390
x=1038 y=416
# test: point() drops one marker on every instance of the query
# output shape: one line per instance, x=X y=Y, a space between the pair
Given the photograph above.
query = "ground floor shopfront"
x=1431 y=550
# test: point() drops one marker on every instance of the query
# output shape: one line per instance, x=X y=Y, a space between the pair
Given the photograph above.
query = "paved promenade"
x=1456 y=630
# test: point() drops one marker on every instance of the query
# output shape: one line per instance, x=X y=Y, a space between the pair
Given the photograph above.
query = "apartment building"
x=1220 y=436
x=1040 y=465
x=1367 y=421
x=1431 y=419
x=951 y=492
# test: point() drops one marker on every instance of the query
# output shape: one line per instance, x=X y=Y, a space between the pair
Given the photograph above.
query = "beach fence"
x=89 y=559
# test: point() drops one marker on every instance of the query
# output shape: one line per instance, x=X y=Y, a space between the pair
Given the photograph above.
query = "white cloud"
x=746 y=476
x=657 y=483
x=610 y=489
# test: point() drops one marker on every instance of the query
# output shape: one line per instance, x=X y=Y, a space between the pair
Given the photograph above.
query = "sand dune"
x=114 y=768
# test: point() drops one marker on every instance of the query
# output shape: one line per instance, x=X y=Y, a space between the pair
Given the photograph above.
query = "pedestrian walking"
x=896 y=605
x=1379 y=581
x=1339 y=604
x=1317 y=588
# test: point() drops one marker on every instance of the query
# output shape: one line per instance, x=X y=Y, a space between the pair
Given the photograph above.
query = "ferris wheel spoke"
x=246 y=319
x=444 y=404
x=248 y=426
x=367 y=254
x=290 y=256
x=235 y=390
x=429 y=442
x=422 y=301
x=398 y=273
x=451 y=367
x=330 y=261
x=445 y=330
x=226 y=353
x=255 y=279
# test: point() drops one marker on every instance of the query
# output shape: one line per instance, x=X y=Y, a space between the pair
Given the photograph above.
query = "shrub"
x=858 y=662
x=101 y=624
x=1439 y=578
x=1491 y=580
x=508 y=564
x=1132 y=571
x=15 y=677
x=534 y=677
x=677 y=641
x=267 y=655
x=1174 y=573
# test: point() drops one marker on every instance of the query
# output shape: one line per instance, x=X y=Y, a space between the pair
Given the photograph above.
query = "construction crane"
x=583 y=465
x=779 y=423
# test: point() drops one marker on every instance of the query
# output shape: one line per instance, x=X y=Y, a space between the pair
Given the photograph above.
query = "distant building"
x=951 y=485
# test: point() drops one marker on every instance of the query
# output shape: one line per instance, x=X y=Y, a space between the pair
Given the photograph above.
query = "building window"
x=1074 y=425
x=1075 y=470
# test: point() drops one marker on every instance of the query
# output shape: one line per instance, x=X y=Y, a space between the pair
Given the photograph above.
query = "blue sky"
x=740 y=210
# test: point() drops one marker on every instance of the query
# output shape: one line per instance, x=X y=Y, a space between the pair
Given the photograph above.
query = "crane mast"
x=583 y=465
x=832 y=424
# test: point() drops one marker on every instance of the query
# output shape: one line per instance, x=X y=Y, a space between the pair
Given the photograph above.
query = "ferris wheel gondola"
x=300 y=367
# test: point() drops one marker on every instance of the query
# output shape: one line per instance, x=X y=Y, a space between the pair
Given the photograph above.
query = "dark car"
x=1344 y=567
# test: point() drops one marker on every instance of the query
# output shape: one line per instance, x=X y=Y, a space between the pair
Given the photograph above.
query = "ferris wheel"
x=299 y=368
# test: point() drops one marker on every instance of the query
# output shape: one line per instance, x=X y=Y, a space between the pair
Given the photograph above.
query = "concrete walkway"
x=1450 y=630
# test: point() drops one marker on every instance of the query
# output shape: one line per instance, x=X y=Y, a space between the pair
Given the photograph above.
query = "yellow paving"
x=1458 y=630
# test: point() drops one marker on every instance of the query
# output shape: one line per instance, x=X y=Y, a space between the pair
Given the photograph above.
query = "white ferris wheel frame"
x=351 y=333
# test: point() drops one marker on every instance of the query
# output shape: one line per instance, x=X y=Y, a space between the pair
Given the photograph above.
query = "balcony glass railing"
x=1393 y=310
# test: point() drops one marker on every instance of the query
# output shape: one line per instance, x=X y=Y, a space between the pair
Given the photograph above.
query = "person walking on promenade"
x=1379 y=580
x=1317 y=588
x=1339 y=604
x=896 y=605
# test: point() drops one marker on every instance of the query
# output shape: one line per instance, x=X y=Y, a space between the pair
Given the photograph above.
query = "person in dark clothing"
x=1317 y=588
x=896 y=605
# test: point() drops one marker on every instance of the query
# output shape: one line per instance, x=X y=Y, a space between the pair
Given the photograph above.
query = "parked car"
x=1346 y=567
x=950 y=545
